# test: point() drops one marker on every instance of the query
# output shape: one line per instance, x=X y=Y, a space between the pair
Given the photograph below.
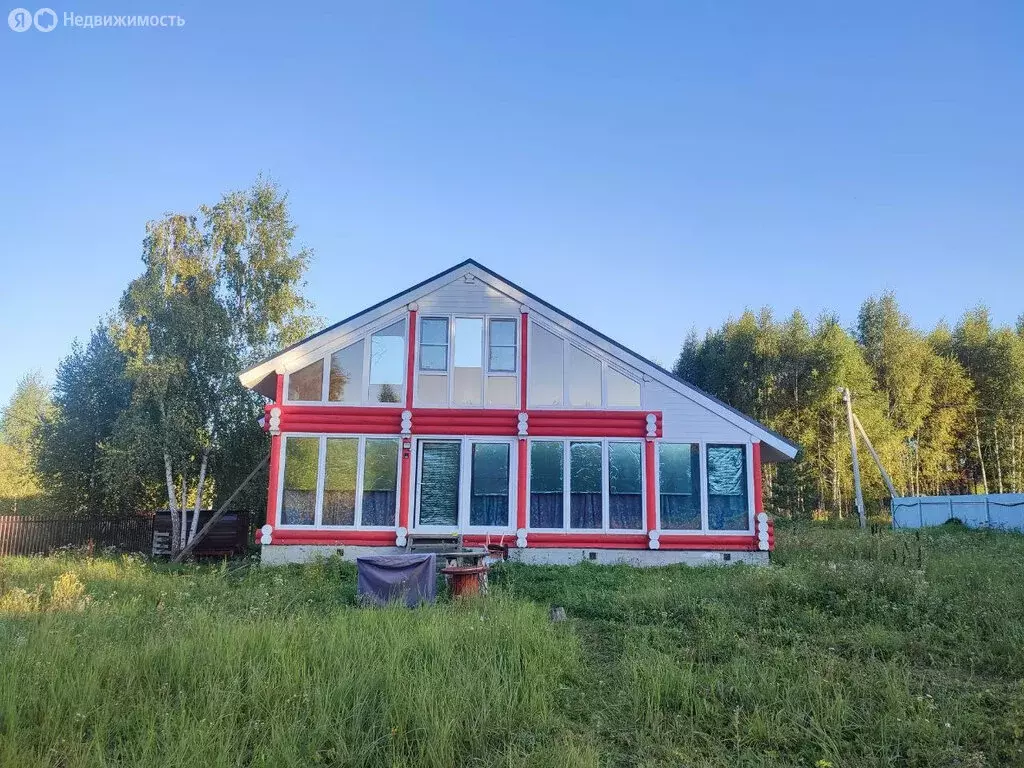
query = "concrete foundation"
x=282 y=554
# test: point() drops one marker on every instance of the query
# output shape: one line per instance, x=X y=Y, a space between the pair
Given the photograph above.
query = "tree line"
x=149 y=414
x=945 y=409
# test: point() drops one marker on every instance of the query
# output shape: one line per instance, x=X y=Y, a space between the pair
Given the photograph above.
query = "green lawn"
x=852 y=649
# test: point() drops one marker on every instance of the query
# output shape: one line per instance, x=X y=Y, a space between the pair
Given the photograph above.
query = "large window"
x=727 y=488
x=387 y=364
x=367 y=371
x=489 y=484
x=625 y=485
x=562 y=373
x=467 y=362
x=307 y=384
x=585 y=496
x=586 y=484
x=346 y=377
x=358 y=477
x=298 y=495
x=546 y=484
x=546 y=356
x=679 y=486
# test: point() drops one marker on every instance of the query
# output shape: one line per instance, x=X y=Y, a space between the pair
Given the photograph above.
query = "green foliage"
x=29 y=406
x=917 y=396
x=853 y=649
x=220 y=289
x=90 y=393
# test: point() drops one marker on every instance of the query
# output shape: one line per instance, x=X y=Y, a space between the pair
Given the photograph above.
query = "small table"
x=464 y=565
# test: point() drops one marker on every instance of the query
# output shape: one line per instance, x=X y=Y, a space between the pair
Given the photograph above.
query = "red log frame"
x=651 y=499
x=386 y=420
x=275 y=458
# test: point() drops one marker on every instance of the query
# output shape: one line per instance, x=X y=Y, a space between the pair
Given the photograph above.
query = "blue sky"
x=648 y=167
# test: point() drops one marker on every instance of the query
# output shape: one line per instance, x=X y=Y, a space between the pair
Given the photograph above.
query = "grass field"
x=851 y=650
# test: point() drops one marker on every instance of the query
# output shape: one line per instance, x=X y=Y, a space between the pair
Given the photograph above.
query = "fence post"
x=950 y=500
x=988 y=513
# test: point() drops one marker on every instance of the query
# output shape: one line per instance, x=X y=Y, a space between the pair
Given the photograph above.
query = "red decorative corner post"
x=758 y=500
x=405 y=493
x=651 y=502
x=521 y=467
x=275 y=453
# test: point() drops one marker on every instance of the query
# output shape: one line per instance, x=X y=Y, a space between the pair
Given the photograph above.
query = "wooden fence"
x=23 y=535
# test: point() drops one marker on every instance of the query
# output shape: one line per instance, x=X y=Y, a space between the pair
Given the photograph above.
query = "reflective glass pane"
x=307 y=383
x=340 y=481
x=501 y=391
x=469 y=341
x=469 y=382
x=623 y=392
x=502 y=359
x=301 y=465
x=387 y=363
x=346 y=374
x=433 y=358
x=625 y=486
x=727 y=487
x=433 y=390
x=503 y=332
x=679 y=485
x=434 y=330
x=584 y=379
x=380 y=481
x=489 y=484
x=585 y=498
x=439 y=483
x=546 y=487
x=545 y=369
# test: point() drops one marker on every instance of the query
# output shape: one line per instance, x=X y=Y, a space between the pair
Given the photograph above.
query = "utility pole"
x=853 y=453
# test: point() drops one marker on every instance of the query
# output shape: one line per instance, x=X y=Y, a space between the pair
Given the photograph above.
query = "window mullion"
x=320 y=471
x=357 y=514
x=704 y=526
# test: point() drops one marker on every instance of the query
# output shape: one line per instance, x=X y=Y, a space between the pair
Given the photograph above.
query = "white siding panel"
x=684 y=419
x=476 y=298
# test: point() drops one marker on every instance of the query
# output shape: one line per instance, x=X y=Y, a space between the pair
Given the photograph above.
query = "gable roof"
x=261 y=375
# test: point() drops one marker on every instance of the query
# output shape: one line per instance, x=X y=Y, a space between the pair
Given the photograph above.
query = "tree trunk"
x=173 y=502
x=183 y=511
x=981 y=457
x=199 y=495
x=999 y=462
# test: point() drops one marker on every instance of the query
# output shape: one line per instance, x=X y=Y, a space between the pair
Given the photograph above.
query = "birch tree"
x=220 y=287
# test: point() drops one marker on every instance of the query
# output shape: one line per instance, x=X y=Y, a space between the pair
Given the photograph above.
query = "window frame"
x=486 y=373
x=321 y=464
x=567 y=483
x=366 y=336
x=447 y=345
x=462 y=525
x=705 y=529
x=607 y=363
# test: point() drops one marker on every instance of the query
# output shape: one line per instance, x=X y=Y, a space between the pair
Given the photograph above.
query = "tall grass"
x=852 y=649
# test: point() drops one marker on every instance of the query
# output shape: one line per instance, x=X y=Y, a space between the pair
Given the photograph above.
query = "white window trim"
x=567 y=484
x=607 y=362
x=321 y=463
x=515 y=347
x=449 y=371
x=465 y=484
x=367 y=339
x=702 y=488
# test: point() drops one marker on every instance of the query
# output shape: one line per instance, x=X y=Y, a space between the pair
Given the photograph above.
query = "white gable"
x=689 y=414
